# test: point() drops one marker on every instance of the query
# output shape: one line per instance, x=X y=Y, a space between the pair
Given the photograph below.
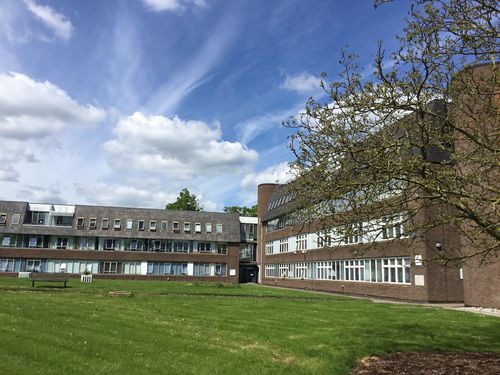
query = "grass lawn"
x=193 y=328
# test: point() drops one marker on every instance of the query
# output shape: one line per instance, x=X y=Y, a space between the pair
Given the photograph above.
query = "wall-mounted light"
x=439 y=246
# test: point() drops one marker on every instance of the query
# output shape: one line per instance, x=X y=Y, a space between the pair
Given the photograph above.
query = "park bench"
x=50 y=277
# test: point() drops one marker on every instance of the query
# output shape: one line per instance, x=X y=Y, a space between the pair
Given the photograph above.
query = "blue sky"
x=127 y=102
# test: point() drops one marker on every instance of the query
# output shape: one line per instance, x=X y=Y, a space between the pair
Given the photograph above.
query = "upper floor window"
x=117 y=224
x=16 y=218
x=197 y=227
x=208 y=227
x=204 y=247
x=3 y=219
x=218 y=228
x=152 y=226
x=92 y=223
x=130 y=224
x=105 y=224
x=62 y=243
x=175 y=226
x=80 y=222
x=187 y=227
x=140 y=225
x=164 y=225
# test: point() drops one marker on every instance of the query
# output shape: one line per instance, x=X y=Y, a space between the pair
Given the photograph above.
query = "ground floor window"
x=7 y=265
x=380 y=270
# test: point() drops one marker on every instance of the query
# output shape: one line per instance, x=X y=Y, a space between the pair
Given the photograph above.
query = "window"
x=35 y=241
x=222 y=248
x=152 y=226
x=271 y=270
x=117 y=224
x=16 y=218
x=33 y=265
x=3 y=219
x=300 y=271
x=175 y=226
x=218 y=228
x=130 y=224
x=87 y=243
x=269 y=247
x=204 y=247
x=62 y=243
x=105 y=224
x=140 y=225
x=208 y=227
x=324 y=239
x=201 y=269
x=220 y=270
x=187 y=227
x=92 y=223
x=80 y=222
x=283 y=245
x=197 y=227
x=301 y=242
x=181 y=247
x=133 y=245
x=109 y=267
x=6 y=241
x=164 y=225
x=284 y=269
x=6 y=265
x=109 y=244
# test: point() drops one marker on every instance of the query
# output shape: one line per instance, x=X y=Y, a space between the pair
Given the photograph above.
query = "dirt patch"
x=430 y=363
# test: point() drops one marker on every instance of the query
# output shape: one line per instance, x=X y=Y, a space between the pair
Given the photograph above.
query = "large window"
x=35 y=241
x=62 y=243
x=301 y=242
x=130 y=224
x=109 y=244
x=204 y=247
x=222 y=248
x=283 y=245
x=181 y=246
x=7 y=265
x=269 y=247
x=33 y=265
x=380 y=270
x=218 y=228
x=105 y=224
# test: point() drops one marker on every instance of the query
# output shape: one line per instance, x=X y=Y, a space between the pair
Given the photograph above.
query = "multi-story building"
x=113 y=242
x=382 y=261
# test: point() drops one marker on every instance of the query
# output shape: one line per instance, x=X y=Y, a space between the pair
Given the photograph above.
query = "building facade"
x=382 y=261
x=116 y=242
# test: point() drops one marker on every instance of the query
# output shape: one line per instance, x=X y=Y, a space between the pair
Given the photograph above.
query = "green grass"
x=196 y=328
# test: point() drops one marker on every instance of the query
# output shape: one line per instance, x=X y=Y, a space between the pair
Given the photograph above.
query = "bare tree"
x=419 y=136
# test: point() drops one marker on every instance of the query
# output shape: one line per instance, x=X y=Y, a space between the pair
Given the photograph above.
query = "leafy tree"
x=421 y=134
x=185 y=202
x=242 y=210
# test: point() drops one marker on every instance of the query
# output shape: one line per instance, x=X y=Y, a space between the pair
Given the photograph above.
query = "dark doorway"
x=249 y=274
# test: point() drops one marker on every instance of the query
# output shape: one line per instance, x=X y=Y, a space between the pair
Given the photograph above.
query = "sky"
x=125 y=103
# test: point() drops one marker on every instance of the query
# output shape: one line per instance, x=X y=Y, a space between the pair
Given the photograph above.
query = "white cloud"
x=40 y=194
x=33 y=109
x=172 y=5
x=119 y=195
x=177 y=148
x=252 y=128
x=61 y=26
x=278 y=173
x=302 y=83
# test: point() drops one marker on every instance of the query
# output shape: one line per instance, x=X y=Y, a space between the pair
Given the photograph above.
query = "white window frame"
x=117 y=224
x=152 y=225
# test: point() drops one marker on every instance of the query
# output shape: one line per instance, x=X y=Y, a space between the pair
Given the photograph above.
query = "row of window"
x=113 y=244
x=376 y=230
x=42 y=218
x=15 y=219
x=113 y=267
x=380 y=270
x=153 y=227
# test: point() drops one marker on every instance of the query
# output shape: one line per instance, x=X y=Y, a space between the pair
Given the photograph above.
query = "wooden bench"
x=49 y=277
